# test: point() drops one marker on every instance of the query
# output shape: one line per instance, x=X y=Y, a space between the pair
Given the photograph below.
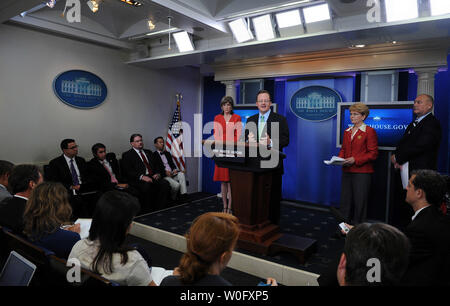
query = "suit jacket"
x=11 y=213
x=420 y=145
x=100 y=176
x=59 y=171
x=429 y=235
x=159 y=163
x=281 y=141
x=363 y=147
x=4 y=193
x=133 y=167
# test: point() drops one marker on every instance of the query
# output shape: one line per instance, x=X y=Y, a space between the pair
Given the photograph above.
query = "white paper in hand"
x=85 y=225
x=335 y=160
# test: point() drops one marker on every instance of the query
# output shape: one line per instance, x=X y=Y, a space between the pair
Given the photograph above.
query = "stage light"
x=240 y=30
x=439 y=7
x=316 y=13
x=93 y=5
x=132 y=2
x=263 y=27
x=51 y=3
x=288 y=19
x=183 y=41
x=401 y=10
x=151 y=25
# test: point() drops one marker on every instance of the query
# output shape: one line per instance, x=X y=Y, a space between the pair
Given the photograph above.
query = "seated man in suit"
x=71 y=171
x=429 y=230
x=104 y=171
x=139 y=171
x=23 y=179
x=165 y=165
x=5 y=170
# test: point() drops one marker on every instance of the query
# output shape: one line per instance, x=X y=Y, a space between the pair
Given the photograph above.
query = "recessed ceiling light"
x=263 y=27
x=401 y=10
x=316 y=13
x=440 y=7
x=240 y=30
x=183 y=41
x=288 y=19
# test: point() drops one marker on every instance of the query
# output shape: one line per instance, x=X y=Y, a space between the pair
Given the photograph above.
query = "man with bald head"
x=419 y=146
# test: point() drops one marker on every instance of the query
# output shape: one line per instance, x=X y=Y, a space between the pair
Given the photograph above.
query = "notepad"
x=335 y=160
x=85 y=225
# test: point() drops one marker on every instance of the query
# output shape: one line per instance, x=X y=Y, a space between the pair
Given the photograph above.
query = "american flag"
x=174 y=142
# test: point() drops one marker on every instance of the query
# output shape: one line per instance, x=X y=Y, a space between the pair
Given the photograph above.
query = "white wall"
x=33 y=121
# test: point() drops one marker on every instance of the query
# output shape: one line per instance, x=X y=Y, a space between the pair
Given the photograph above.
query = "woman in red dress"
x=227 y=127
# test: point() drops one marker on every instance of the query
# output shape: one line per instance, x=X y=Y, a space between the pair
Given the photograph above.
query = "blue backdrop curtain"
x=306 y=177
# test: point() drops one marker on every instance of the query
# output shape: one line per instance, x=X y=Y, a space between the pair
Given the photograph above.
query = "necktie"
x=74 y=174
x=144 y=159
x=416 y=122
x=261 y=126
x=113 y=177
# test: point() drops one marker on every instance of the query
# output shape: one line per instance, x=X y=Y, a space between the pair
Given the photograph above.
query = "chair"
x=45 y=169
x=3 y=248
x=35 y=254
x=87 y=278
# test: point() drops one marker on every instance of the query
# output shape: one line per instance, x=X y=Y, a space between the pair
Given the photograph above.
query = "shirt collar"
x=18 y=196
x=266 y=115
x=417 y=212
x=362 y=128
x=68 y=159
x=421 y=117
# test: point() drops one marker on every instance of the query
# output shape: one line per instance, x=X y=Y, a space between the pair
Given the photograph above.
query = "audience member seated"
x=165 y=165
x=23 y=179
x=139 y=171
x=105 y=171
x=105 y=252
x=210 y=243
x=5 y=171
x=429 y=230
x=71 y=171
x=374 y=255
x=46 y=218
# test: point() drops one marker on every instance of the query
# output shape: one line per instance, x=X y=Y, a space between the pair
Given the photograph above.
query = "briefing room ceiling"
x=121 y=25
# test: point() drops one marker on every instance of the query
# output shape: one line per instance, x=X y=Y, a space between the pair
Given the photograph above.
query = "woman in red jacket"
x=227 y=127
x=360 y=149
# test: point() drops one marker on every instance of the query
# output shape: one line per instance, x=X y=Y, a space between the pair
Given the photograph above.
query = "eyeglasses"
x=73 y=148
x=263 y=101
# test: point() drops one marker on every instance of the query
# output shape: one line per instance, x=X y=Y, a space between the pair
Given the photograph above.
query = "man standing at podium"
x=273 y=131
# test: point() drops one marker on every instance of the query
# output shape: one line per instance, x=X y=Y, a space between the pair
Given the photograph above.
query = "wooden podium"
x=250 y=191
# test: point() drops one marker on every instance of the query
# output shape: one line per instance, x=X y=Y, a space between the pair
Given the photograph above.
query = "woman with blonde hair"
x=210 y=244
x=360 y=150
x=47 y=219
